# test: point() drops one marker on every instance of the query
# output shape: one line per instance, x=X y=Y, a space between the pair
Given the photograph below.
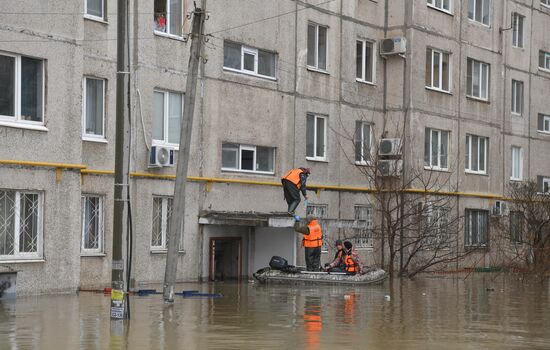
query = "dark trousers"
x=313 y=258
x=292 y=195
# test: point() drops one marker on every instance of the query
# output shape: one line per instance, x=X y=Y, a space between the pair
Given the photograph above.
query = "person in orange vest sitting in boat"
x=337 y=264
x=312 y=242
x=351 y=260
x=293 y=182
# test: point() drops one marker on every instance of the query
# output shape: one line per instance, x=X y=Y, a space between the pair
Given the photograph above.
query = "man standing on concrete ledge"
x=312 y=241
x=293 y=182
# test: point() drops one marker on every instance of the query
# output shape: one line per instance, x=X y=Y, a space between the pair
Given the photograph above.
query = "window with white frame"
x=316 y=137
x=516 y=226
x=249 y=60
x=248 y=158
x=545 y=2
x=92 y=224
x=517 y=163
x=320 y=211
x=517 y=30
x=479 y=11
x=543 y=124
x=95 y=9
x=438 y=70
x=435 y=222
x=20 y=224
x=365 y=61
x=317 y=46
x=543 y=184
x=477 y=79
x=168 y=16
x=476 y=154
x=443 y=5
x=517 y=97
x=476 y=228
x=167 y=114
x=22 y=89
x=93 y=108
x=436 y=149
x=162 y=211
x=544 y=59
x=363 y=237
x=363 y=139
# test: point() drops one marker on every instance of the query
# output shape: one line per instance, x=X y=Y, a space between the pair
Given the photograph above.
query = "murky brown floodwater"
x=427 y=313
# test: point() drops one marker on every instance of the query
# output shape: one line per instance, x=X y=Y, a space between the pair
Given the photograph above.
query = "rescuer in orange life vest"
x=293 y=182
x=350 y=261
x=312 y=242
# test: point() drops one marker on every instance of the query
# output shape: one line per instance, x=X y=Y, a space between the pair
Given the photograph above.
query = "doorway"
x=225 y=258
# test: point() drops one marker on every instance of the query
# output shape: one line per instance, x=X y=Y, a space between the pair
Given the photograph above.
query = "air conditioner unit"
x=389 y=147
x=500 y=208
x=161 y=156
x=393 y=46
x=390 y=167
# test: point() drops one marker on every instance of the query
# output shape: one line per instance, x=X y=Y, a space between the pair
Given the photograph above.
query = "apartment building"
x=283 y=84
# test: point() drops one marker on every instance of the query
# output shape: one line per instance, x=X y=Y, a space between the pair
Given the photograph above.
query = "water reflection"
x=483 y=311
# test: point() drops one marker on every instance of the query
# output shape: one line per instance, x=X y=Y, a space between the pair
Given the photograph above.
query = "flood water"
x=483 y=311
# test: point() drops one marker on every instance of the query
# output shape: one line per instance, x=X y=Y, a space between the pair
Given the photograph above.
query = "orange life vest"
x=351 y=266
x=315 y=237
x=294 y=176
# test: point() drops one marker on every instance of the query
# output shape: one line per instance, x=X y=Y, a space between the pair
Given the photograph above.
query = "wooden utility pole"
x=122 y=149
x=177 y=217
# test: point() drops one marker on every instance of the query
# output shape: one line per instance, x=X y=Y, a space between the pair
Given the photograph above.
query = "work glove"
x=297 y=218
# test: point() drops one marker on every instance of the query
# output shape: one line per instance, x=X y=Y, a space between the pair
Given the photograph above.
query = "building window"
x=517 y=97
x=476 y=228
x=478 y=79
x=438 y=72
x=544 y=59
x=363 y=137
x=365 y=61
x=95 y=9
x=93 y=108
x=517 y=163
x=317 y=46
x=319 y=211
x=478 y=11
x=92 y=224
x=22 y=86
x=245 y=158
x=543 y=123
x=443 y=5
x=168 y=16
x=162 y=211
x=436 y=149
x=543 y=184
x=516 y=226
x=20 y=224
x=363 y=237
x=517 y=30
x=316 y=137
x=476 y=154
x=243 y=59
x=545 y=2
x=167 y=114
x=435 y=224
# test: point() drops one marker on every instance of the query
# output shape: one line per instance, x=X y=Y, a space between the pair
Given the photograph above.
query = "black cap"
x=338 y=242
x=348 y=245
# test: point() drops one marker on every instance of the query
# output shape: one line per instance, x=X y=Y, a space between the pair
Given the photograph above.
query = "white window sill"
x=368 y=249
x=481 y=24
x=543 y=132
x=447 y=12
x=94 y=139
x=546 y=70
x=317 y=70
x=164 y=251
x=314 y=159
x=518 y=47
x=430 y=168
x=95 y=19
x=92 y=255
x=363 y=163
x=170 y=36
x=248 y=171
x=266 y=77
x=23 y=125
x=479 y=99
x=175 y=146
x=476 y=173
x=438 y=90
x=366 y=82
x=545 y=6
x=517 y=115
x=516 y=180
x=21 y=261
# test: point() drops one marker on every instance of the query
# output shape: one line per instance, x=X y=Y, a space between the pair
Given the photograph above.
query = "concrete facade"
x=249 y=110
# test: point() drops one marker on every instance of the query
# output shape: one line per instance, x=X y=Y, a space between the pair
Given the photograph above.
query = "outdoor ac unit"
x=390 y=167
x=161 y=156
x=499 y=208
x=389 y=147
x=393 y=46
